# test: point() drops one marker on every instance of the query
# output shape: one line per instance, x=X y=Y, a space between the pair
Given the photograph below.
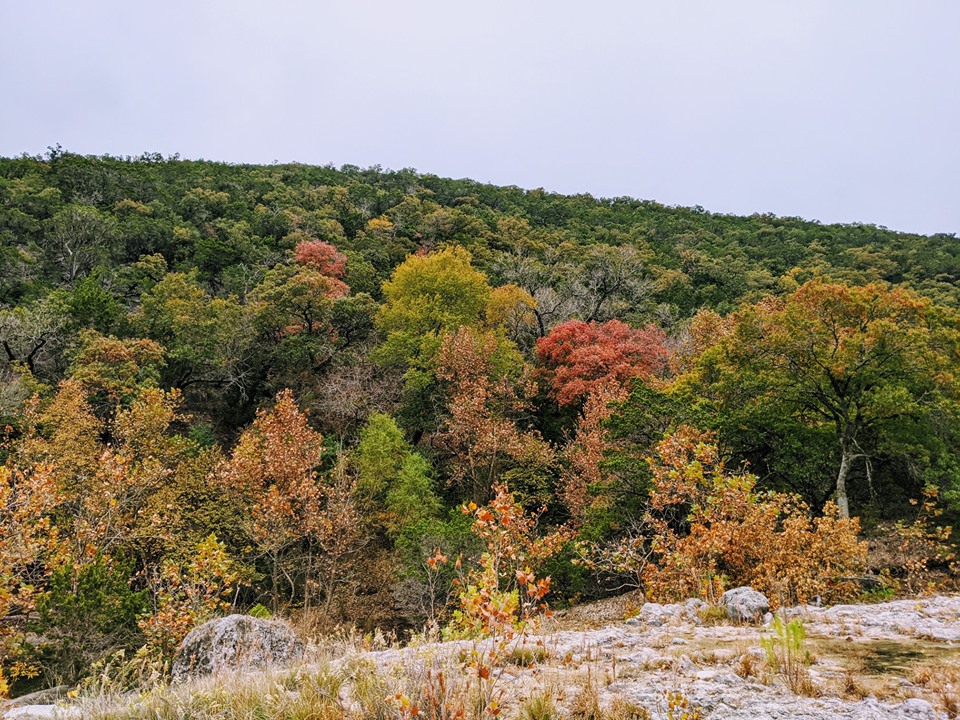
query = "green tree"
x=867 y=366
x=391 y=476
x=77 y=237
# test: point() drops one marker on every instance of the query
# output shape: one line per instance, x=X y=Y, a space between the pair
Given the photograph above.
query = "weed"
x=851 y=684
x=747 y=666
x=623 y=709
x=943 y=682
x=527 y=656
x=713 y=615
x=539 y=706
x=586 y=705
x=787 y=655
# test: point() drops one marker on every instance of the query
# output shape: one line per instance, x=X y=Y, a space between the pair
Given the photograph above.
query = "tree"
x=209 y=340
x=580 y=356
x=862 y=365
x=27 y=540
x=273 y=471
x=710 y=526
x=77 y=237
x=583 y=478
x=486 y=393
x=322 y=257
x=391 y=477
x=428 y=296
x=34 y=335
x=610 y=281
x=378 y=456
x=113 y=370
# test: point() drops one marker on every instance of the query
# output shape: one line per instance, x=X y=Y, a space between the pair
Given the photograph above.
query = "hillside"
x=397 y=400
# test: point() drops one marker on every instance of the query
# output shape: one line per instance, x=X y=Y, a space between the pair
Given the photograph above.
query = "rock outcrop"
x=236 y=642
x=744 y=604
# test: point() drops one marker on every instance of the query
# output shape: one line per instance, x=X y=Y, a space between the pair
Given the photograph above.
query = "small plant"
x=851 y=684
x=787 y=656
x=746 y=666
x=943 y=682
x=713 y=615
x=623 y=709
x=586 y=705
x=679 y=707
x=259 y=611
x=527 y=656
x=502 y=597
x=539 y=706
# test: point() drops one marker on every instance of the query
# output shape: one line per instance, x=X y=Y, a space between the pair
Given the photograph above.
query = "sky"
x=832 y=110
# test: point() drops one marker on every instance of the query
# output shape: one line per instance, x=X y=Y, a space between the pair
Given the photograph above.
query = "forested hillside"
x=390 y=398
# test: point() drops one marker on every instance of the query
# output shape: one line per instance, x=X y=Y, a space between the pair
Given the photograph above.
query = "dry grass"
x=528 y=655
x=586 y=704
x=623 y=709
x=942 y=683
x=749 y=666
x=299 y=695
x=540 y=706
x=713 y=615
x=852 y=685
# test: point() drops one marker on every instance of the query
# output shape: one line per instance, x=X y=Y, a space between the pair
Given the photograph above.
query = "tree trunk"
x=846 y=459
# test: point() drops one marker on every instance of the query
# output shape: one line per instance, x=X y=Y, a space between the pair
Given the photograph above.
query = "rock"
x=41 y=697
x=917 y=708
x=693 y=606
x=41 y=712
x=653 y=614
x=744 y=604
x=236 y=642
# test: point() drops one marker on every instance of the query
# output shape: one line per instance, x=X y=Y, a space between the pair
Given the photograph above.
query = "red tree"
x=321 y=256
x=581 y=357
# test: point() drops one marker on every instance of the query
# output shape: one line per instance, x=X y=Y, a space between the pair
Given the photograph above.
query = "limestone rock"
x=744 y=604
x=40 y=712
x=236 y=642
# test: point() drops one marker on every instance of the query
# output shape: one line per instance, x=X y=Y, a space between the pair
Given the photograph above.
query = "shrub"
x=89 y=612
x=707 y=525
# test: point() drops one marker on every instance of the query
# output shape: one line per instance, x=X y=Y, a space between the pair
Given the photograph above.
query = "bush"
x=706 y=527
x=89 y=612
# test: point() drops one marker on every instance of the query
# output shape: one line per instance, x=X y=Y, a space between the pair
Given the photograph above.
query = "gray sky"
x=837 y=110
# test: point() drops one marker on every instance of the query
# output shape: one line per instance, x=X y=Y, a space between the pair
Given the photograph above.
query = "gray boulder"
x=744 y=604
x=236 y=642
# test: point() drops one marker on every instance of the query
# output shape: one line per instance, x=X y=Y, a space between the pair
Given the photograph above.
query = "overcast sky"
x=837 y=110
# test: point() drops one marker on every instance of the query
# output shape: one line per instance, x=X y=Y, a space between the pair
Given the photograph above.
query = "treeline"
x=274 y=388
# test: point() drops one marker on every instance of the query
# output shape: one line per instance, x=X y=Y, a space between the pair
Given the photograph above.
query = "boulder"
x=744 y=604
x=236 y=642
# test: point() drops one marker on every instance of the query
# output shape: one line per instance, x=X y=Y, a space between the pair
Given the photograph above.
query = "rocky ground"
x=891 y=660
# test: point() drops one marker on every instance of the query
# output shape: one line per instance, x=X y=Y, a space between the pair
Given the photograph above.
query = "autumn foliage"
x=580 y=356
x=226 y=388
x=710 y=528
x=481 y=431
x=321 y=256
